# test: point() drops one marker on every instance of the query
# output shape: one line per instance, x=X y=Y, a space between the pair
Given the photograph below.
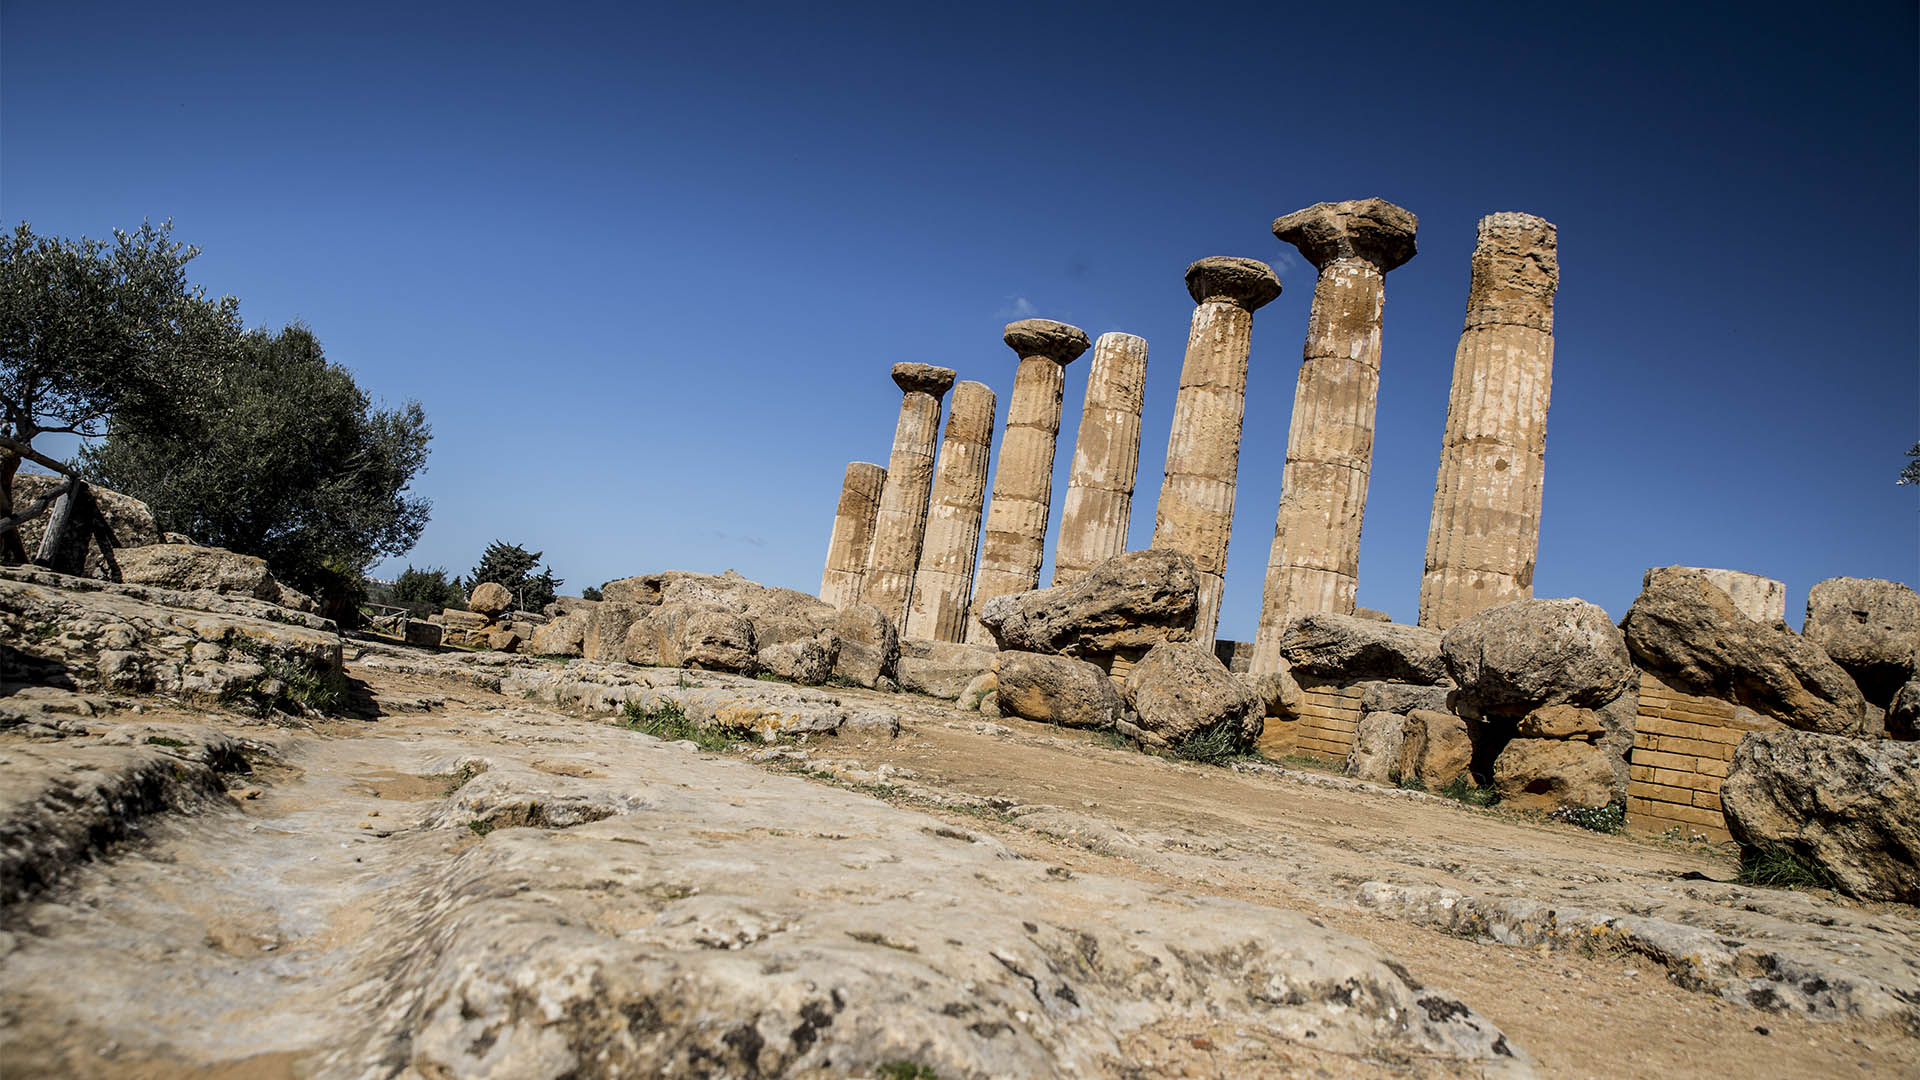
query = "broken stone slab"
x=1056 y=690
x=1761 y=599
x=1871 y=628
x=1435 y=749
x=190 y=568
x=1402 y=698
x=939 y=668
x=1851 y=806
x=1521 y=656
x=1178 y=691
x=1686 y=629
x=1345 y=649
x=1129 y=603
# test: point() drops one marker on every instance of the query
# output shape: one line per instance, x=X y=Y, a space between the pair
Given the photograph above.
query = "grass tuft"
x=1777 y=867
x=668 y=721
x=906 y=1070
x=162 y=740
x=1462 y=789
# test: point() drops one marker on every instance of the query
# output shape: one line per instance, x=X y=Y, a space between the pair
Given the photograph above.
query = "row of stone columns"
x=906 y=541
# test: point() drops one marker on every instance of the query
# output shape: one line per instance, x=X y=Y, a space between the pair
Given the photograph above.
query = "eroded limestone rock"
x=1056 y=690
x=1132 y=602
x=1532 y=653
x=1869 y=627
x=1178 y=691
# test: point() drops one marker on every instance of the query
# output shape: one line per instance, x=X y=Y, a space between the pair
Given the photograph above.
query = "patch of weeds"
x=162 y=740
x=1462 y=789
x=323 y=691
x=1112 y=738
x=480 y=828
x=906 y=1070
x=1302 y=761
x=1407 y=783
x=669 y=721
x=1610 y=819
x=458 y=778
x=768 y=676
x=1777 y=867
x=1217 y=745
x=688 y=684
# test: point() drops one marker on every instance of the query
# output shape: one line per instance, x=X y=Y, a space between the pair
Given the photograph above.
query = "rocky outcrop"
x=1845 y=804
x=1129 y=603
x=1348 y=649
x=1056 y=690
x=1689 y=631
x=188 y=568
x=1533 y=653
x=1547 y=774
x=564 y=636
x=1869 y=627
x=130 y=519
x=1179 y=691
x=1435 y=750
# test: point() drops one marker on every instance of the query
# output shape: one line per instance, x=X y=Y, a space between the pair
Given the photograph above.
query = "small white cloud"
x=1018 y=307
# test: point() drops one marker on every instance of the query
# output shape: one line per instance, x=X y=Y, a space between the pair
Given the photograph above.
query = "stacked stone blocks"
x=1682 y=747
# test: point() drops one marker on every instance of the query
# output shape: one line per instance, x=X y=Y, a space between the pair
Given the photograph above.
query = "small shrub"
x=1407 y=783
x=162 y=740
x=906 y=1070
x=668 y=721
x=1611 y=818
x=1462 y=789
x=1777 y=867
x=1216 y=745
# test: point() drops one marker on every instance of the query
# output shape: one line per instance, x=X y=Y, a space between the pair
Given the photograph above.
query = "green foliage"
x=512 y=566
x=281 y=455
x=422 y=592
x=906 y=1070
x=1910 y=472
x=162 y=740
x=1462 y=789
x=668 y=721
x=1777 y=867
x=1611 y=818
x=1216 y=745
x=590 y=593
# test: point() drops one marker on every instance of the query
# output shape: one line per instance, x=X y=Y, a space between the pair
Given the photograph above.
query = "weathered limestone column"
x=1195 y=513
x=902 y=520
x=1485 y=531
x=1106 y=459
x=944 y=581
x=852 y=533
x=1023 y=484
x=1314 y=564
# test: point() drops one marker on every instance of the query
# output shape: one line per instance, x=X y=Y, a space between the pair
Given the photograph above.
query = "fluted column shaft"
x=943 y=582
x=1016 y=532
x=1195 y=512
x=1106 y=459
x=1314 y=563
x=902 y=520
x=1485 y=532
x=852 y=536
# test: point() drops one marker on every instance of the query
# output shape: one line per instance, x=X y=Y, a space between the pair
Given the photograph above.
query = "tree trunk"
x=70 y=531
x=12 y=550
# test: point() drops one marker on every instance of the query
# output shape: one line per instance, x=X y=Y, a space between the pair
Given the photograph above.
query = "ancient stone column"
x=1195 y=513
x=902 y=520
x=852 y=533
x=1314 y=564
x=1485 y=530
x=1106 y=459
x=1023 y=484
x=944 y=581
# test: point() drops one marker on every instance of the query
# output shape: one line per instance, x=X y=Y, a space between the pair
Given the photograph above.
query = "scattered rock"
x=1129 y=603
x=716 y=641
x=566 y=635
x=1551 y=773
x=939 y=668
x=1377 y=741
x=1869 y=627
x=1056 y=690
x=1689 y=631
x=1846 y=804
x=1435 y=750
x=422 y=634
x=1521 y=656
x=981 y=694
x=1178 y=691
x=808 y=661
x=1346 y=649
x=1561 y=722
x=489 y=599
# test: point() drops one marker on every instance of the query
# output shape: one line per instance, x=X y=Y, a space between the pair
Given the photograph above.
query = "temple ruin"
x=944 y=581
x=1106 y=459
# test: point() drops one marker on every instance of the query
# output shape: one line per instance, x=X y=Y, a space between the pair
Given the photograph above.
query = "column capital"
x=1371 y=229
x=924 y=378
x=1246 y=283
x=1056 y=341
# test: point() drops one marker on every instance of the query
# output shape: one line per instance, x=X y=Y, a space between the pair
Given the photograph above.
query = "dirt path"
x=232 y=943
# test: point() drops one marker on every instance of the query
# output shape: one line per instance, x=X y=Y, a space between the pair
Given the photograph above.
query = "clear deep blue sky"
x=647 y=266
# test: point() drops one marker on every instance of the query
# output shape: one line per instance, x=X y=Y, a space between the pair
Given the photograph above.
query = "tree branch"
x=35 y=456
x=36 y=507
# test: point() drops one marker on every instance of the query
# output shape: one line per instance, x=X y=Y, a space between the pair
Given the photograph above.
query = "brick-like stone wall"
x=1328 y=716
x=1682 y=745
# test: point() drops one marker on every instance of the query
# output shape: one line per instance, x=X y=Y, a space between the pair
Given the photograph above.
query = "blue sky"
x=647 y=266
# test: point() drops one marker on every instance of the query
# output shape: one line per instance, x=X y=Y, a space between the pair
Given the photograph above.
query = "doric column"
x=942 y=584
x=1106 y=459
x=1023 y=484
x=852 y=533
x=1195 y=513
x=1485 y=531
x=1314 y=564
x=902 y=519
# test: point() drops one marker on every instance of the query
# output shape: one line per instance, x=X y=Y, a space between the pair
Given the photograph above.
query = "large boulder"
x=1178 y=691
x=869 y=644
x=1435 y=750
x=1761 y=599
x=1547 y=774
x=607 y=629
x=190 y=568
x=940 y=669
x=1347 y=649
x=489 y=598
x=1128 y=603
x=1522 y=656
x=717 y=641
x=1869 y=627
x=808 y=661
x=1686 y=629
x=1903 y=716
x=1056 y=690
x=130 y=519
x=1377 y=741
x=564 y=636
x=1851 y=806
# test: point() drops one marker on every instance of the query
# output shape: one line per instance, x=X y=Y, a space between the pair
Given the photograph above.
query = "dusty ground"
x=202 y=918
